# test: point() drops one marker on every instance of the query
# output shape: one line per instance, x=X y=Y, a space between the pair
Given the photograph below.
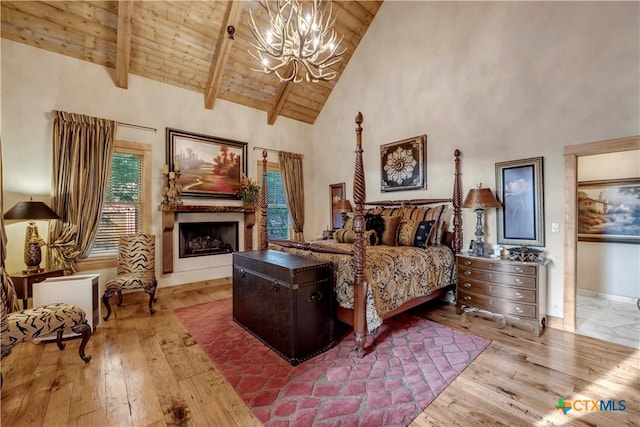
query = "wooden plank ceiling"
x=181 y=43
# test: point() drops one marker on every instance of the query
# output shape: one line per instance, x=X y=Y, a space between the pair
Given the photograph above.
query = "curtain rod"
x=137 y=126
x=268 y=149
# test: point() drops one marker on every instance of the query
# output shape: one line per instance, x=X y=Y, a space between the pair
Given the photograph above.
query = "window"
x=278 y=220
x=125 y=210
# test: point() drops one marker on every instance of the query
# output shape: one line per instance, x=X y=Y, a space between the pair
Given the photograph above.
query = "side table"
x=23 y=282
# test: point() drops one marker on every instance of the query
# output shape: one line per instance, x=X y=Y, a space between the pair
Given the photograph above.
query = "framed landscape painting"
x=403 y=164
x=209 y=166
x=519 y=188
x=609 y=211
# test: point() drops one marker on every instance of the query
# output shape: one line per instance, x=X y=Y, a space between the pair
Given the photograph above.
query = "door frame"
x=571 y=154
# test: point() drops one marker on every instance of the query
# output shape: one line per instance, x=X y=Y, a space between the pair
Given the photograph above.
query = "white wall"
x=609 y=268
x=35 y=81
x=498 y=80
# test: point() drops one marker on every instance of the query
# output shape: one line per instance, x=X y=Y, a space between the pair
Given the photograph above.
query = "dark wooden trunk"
x=286 y=301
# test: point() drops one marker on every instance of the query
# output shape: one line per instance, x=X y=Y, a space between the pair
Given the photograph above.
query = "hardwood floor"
x=148 y=371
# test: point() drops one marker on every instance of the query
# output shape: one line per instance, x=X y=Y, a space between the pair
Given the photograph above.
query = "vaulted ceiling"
x=182 y=43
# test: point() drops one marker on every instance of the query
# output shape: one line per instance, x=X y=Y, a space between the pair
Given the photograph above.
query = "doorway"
x=571 y=154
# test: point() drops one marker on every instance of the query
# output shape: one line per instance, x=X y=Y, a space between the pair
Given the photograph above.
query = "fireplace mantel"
x=169 y=217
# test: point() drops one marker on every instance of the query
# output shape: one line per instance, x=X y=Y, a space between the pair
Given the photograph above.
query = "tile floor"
x=612 y=321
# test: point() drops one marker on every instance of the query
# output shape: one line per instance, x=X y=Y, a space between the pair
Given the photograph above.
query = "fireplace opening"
x=207 y=238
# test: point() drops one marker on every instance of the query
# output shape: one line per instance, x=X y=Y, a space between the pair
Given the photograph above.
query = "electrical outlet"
x=555 y=227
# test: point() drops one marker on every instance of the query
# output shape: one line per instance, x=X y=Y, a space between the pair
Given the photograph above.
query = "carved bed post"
x=457 y=204
x=264 y=201
x=359 y=247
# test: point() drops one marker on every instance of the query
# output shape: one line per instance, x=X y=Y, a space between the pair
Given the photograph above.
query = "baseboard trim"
x=555 y=322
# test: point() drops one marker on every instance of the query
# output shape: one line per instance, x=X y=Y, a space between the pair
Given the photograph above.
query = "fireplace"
x=207 y=238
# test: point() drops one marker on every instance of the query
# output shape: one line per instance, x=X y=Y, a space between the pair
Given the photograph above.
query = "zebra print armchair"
x=18 y=326
x=136 y=269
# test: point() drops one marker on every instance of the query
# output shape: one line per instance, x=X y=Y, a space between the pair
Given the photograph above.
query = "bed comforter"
x=395 y=274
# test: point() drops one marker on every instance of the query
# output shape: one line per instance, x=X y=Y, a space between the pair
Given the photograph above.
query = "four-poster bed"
x=360 y=269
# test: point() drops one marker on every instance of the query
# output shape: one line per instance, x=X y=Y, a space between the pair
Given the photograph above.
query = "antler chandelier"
x=299 y=40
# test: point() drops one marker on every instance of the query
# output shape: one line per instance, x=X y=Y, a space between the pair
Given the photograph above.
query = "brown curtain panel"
x=82 y=150
x=291 y=170
x=9 y=297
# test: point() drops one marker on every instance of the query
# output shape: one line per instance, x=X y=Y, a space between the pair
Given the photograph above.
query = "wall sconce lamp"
x=32 y=211
x=478 y=199
x=344 y=207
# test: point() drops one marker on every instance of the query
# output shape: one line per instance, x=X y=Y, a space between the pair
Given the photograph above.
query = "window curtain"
x=82 y=150
x=9 y=297
x=291 y=170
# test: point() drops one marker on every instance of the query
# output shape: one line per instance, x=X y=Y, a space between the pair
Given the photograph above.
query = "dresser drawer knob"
x=518 y=281
x=519 y=295
x=467 y=285
x=467 y=262
x=467 y=273
x=518 y=269
x=519 y=310
x=467 y=298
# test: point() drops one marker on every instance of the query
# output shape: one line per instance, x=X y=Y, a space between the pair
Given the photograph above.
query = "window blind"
x=122 y=210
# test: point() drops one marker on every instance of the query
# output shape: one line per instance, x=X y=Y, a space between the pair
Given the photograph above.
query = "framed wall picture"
x=209 y=166
x=609 y=211
x=520 y=190
x=403 y=164
x=336 y=193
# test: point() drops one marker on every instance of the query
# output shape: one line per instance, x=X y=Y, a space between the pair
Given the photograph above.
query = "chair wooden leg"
x=105 y=300
x=152 y=296
x=119 y=298
x=61 y=345
x=84 y=329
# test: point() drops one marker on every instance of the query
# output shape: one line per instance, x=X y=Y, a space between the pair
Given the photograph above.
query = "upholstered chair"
x=26 y=325
x=136 y=269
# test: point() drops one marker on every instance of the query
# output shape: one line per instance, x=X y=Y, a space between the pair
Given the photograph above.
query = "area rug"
x=413 y=360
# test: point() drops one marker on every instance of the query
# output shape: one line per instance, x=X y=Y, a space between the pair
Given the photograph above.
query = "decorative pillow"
x=438 y=233
x=436 y=213
x=406 y=232
x=371 y=238
x=423 y=233
x=348 y=223
x=389 y=211
x=375 y=223
x=344 y=235
x=390 y=233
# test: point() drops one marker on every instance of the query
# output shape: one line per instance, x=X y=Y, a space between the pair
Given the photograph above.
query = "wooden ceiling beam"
x=278 y=102
x=123 y=51
x=223 y=47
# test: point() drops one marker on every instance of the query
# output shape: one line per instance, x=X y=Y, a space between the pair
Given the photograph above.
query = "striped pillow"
x=436 y=213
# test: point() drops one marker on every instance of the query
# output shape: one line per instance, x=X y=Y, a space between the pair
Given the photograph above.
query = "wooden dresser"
x=516 y=290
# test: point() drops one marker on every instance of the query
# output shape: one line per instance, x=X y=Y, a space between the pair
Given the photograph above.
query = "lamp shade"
x=480 y=198
x=31 y=210
x=344 y=206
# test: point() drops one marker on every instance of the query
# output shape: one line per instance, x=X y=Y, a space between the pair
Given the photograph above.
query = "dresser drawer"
x=497 y=305
x=506 y=292
x=506 y=267
x=466 y=273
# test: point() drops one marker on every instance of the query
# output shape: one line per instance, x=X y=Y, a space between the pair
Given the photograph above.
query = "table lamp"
x=344 y=207
x=32 y=211
x=478 y=199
